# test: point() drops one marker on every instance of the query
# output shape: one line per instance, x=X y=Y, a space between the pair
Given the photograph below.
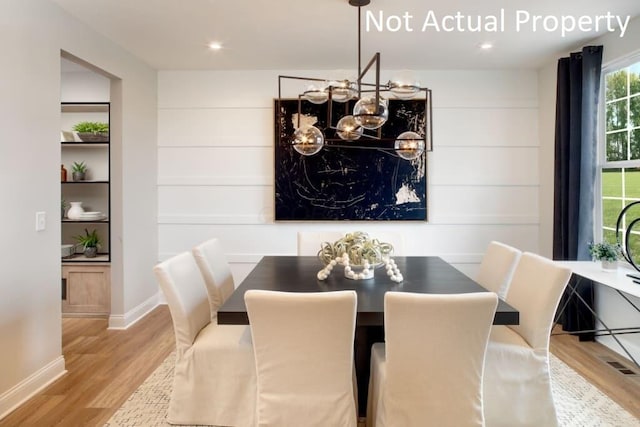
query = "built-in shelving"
x=86 y=282
x=95 y=191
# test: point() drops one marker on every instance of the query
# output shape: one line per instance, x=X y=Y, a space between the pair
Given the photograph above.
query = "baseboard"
x=119 y=321
x=23 y=391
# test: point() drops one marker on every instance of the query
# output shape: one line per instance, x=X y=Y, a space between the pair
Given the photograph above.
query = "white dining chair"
x=303 y=345
x=517 y=386
x=214 y=379
x=429 y=370
x=309 y=242
x=497 y=267
x=215 y=270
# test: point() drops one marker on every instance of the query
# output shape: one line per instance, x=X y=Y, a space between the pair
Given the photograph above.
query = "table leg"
x=365 y=336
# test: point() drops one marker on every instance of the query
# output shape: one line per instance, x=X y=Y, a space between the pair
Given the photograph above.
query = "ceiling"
x=322 y=34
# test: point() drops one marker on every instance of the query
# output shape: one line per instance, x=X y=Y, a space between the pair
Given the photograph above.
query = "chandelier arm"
x=313 y=79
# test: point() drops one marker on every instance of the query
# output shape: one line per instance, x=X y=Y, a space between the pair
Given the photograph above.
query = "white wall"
x=611 y=307
x=215 y=173
x=33 y=34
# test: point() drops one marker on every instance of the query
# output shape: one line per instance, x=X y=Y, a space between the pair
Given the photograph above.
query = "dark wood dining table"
x=422 y=274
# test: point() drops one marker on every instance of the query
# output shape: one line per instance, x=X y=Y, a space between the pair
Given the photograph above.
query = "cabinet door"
x=88 y=290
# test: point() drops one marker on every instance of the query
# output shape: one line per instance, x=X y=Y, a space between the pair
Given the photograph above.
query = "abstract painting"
x=344 y=183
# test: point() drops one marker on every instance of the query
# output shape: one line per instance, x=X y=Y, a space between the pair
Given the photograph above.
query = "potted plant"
x=63 y=206
x=607 y=253
x=78 y=171
x=92 y=131
x=89 y=242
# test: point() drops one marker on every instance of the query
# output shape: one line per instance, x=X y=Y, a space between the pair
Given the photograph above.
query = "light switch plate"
x=41 y=221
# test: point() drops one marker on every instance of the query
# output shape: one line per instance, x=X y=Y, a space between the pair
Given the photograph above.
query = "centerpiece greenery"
x=360 y=251
x=358 y=246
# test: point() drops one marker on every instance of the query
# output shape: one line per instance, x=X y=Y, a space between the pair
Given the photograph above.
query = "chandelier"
x=357 y=110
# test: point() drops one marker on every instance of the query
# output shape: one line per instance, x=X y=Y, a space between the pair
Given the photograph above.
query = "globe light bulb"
x=409 y=145
x=369 y=114
x=348 y=129
x=342 y=90
x=404 y=90
x=316 y=94
x=308 y=140
x=404 y=84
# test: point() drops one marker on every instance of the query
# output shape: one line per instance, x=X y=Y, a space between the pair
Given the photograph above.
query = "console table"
x=616 y=280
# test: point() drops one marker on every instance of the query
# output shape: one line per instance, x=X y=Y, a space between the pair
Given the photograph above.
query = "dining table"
x=421 y=274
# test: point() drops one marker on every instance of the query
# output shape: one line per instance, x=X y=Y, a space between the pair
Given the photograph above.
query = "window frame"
x=602 y=163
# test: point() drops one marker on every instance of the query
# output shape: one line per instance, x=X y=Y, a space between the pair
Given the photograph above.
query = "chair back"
x=435 y=349
x=183 y=287
x=535 y=291
x=216 y=273
x=309 y=241
x=497 y=267
x=303 y=345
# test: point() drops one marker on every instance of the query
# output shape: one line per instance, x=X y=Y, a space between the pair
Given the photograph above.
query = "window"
x=619 y=164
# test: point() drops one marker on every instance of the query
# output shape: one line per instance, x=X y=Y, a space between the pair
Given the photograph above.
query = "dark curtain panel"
x=575 y=172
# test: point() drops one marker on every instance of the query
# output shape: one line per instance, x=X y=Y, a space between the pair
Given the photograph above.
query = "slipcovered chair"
x=214 y=379
x=309 y=241
x=517 y=383
x=303 y=344
x=429 y=371
x=497 y=266
x=216 y=273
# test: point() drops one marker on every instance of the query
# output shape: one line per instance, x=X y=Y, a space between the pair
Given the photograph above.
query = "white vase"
x=75 y=211
x=609 y=265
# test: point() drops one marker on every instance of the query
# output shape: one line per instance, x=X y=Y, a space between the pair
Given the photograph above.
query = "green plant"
x=79 y=167
x=604 y=251
x=88 y=240
x=64 y=204
x=91 y=127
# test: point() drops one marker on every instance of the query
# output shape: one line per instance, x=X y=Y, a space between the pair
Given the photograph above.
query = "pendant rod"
x=359 y=49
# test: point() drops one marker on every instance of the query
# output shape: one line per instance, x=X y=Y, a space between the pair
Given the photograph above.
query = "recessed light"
x=215 y=46
x=485 y=46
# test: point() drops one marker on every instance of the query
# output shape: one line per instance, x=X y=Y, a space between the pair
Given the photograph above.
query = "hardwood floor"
x=105 y=367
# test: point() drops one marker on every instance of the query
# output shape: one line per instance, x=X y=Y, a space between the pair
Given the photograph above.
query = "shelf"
x=85 y=144
x=82 y=258
x=85 y=107
x=79 y=221
x=85 y=182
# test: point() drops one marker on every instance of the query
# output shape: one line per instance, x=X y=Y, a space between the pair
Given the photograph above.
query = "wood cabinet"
x=86 y=290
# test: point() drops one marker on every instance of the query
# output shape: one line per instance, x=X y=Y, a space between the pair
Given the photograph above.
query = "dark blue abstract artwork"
x=344 y=183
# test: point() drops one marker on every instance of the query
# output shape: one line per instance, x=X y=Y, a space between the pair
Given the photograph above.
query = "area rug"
x=579 y=403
